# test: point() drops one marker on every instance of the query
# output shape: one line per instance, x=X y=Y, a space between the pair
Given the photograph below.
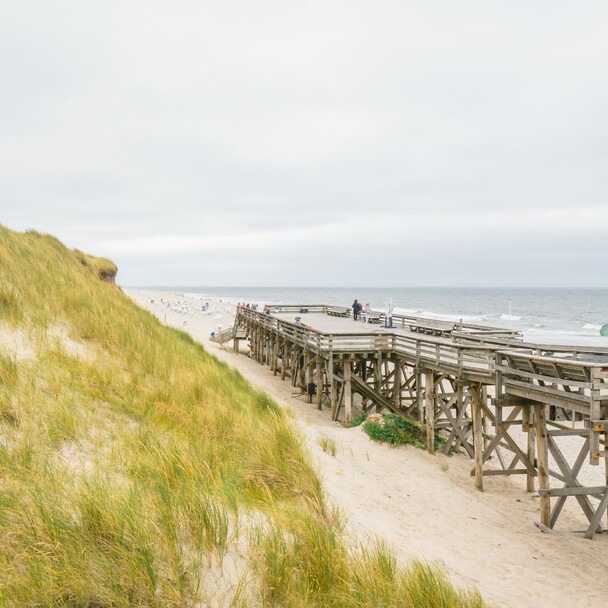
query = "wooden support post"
x=542 y=447
x=528 y=427
x=302 y=372
x=378 y=378
x=348 y=395
x=307 y=375
x=485 y=422
x=319 y=384
x=476 y=412
x=429 y=399
x=594 y=414
x=397 y=384
x=419 y=397
x=333 y=389
x=284 y=359
x=364 y=378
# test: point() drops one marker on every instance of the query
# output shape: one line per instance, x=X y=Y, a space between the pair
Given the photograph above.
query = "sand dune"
x=426 y=506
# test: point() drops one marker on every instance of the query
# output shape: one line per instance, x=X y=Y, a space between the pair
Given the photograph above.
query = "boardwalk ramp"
x=224 y=336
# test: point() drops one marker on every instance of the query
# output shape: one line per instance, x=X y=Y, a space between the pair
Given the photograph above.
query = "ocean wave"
x=510 y=318
x=402 y=311
x=445 y=317
x=592 y=326
x=557 y=332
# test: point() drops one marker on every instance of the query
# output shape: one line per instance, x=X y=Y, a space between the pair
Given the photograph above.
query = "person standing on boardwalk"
x=368 y=312
x=356 y=309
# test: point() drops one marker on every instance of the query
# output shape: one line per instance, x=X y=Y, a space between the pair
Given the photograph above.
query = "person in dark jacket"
x=356 y=310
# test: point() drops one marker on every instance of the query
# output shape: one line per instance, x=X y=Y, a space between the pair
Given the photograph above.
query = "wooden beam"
x=319 y=384
x=348 y=395
x=429 y=401
x=478 y=443
x=542 y=450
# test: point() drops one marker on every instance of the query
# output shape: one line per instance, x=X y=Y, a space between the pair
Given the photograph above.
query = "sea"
x=546 y=316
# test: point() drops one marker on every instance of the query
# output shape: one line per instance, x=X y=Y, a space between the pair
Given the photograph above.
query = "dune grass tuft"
x=134 y=466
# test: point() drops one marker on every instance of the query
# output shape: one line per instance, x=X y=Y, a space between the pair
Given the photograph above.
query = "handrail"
x=476 y=358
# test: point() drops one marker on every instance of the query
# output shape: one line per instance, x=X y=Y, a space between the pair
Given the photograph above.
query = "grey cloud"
x=403 y=133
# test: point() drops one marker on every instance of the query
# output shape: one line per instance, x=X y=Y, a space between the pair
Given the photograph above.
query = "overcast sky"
x=254 y=142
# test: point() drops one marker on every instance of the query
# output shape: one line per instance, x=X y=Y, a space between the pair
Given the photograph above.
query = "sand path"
x=426 y=506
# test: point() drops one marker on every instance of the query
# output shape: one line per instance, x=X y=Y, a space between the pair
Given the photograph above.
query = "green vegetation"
x=397 y=430
x=138 y=470
x=358 y=420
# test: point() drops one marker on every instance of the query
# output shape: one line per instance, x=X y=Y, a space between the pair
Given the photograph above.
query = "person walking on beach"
x=356 y=309
x=368 y=312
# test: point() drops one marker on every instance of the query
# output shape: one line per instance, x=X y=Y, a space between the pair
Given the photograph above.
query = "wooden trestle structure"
x=475 y=385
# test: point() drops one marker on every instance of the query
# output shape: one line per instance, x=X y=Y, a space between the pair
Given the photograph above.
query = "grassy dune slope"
x=137 y=470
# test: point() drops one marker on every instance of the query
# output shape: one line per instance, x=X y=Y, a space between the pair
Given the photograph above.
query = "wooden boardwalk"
x=489 y=393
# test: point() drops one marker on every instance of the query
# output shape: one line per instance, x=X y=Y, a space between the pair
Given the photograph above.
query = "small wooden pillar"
x=419 y=397
x=333 y=387
x=478 y=445
x=363 y=372
x=319 y=383
x=397 y=384
x=348 y=394
x=528 y=427
x=378 y=378
x=429 y=400
x=284 y=359
x=303 y=371
x=542 y=450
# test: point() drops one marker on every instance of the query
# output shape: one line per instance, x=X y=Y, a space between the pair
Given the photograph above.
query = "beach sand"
x=424 y=506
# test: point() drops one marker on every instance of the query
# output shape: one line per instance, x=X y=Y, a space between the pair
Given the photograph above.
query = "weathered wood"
x=542 y=447
x=319 y=384
x=573 y=491
x=528 y=428
x=594 y=524
x=332 y=383
x=386 y=370
x=429 y=400
x=477 y=436
x=348 y=396
x=397 y=384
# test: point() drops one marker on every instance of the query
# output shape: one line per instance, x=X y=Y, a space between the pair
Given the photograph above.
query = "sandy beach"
x=423 y=506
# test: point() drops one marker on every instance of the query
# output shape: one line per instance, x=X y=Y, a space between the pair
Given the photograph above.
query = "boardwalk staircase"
x=224 y=336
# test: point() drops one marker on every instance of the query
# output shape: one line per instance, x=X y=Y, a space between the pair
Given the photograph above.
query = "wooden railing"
x=579 y=385
x=417 y=349
x=575 y=377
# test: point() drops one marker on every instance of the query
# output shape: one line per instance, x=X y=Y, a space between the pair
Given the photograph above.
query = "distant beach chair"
x=442 y=329
x=338 y=312
x=374 y=317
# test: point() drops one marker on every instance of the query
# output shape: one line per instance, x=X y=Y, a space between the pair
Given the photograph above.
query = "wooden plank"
x=496 y=472
x=573 y=491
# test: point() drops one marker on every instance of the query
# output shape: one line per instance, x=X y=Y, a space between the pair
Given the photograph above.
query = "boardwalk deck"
x=477 y=385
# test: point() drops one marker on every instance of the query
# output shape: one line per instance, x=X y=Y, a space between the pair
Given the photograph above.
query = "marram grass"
x=138 y=470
